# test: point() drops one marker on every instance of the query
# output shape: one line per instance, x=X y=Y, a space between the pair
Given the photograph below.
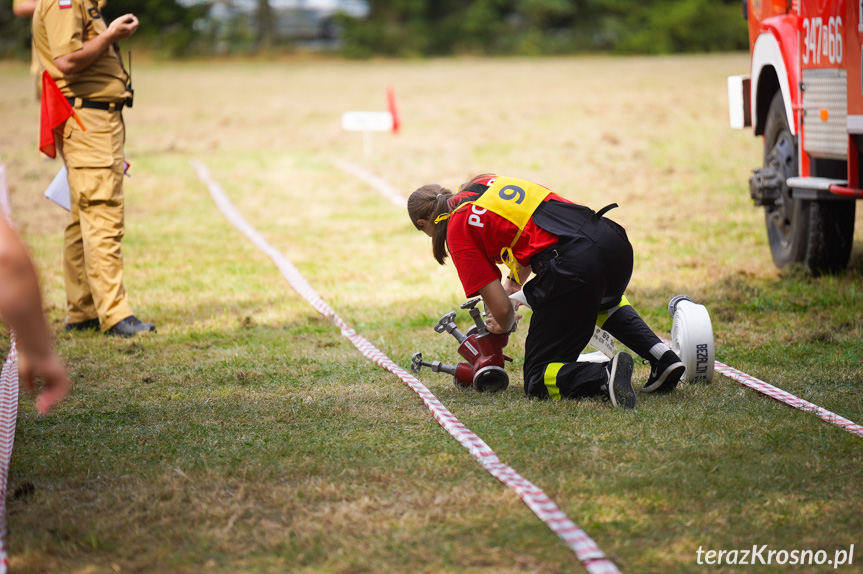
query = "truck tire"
x=818 y=234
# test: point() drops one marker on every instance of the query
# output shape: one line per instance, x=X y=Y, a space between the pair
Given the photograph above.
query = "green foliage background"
x=545 y=27
x=168 y=28
x=14 y=33
x=419 y=28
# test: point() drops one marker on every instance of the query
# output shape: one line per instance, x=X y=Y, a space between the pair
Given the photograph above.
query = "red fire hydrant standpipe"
x=483 y=350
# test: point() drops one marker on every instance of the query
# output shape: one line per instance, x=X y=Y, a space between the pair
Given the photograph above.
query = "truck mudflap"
x=739 y=107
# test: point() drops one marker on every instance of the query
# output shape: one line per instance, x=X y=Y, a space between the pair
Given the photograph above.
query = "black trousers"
x=585 y=273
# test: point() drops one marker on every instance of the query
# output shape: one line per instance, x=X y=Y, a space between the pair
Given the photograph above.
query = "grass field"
x=247 y=435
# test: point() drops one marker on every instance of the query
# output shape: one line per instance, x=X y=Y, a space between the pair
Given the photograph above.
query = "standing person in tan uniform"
x=79 y=51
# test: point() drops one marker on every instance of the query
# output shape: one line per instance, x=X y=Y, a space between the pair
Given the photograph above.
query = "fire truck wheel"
x=831 y=235
x=817 y=234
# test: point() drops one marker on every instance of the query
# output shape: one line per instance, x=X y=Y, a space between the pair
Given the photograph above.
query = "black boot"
x=129 y=327
x=88 y=325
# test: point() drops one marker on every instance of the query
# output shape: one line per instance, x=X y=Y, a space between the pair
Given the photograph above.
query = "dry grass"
x=248 y=436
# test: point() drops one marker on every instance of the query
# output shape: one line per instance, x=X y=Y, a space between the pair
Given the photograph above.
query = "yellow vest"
x=515 y=200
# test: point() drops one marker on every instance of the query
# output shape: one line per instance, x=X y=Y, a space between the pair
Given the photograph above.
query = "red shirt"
x=475 y=241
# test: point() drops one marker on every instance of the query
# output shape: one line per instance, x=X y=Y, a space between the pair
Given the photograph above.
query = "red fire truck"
x=804 y=96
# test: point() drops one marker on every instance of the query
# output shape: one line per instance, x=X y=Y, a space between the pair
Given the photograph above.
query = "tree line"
x=422 y=28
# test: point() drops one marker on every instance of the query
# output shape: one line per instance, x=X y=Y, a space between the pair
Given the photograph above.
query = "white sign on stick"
x=367 y=121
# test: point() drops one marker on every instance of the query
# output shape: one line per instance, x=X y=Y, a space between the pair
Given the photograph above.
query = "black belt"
x=105 y=106
x=540 y=261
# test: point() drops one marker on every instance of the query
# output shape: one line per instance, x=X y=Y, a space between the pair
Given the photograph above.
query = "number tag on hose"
x=603 y=342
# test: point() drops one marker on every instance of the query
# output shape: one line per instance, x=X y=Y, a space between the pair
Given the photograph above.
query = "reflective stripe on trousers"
x=604 y=315
x=551 y=380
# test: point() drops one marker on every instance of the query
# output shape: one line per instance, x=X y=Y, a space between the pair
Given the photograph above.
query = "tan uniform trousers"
x=93 y=262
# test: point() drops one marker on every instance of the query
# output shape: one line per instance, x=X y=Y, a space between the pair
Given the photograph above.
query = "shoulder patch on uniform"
x=94 y=13
x=65 y=4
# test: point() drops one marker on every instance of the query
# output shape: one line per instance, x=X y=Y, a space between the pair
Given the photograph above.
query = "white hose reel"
x=692 y=339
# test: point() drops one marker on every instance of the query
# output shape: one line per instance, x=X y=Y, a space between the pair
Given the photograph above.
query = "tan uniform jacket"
x=61 y=27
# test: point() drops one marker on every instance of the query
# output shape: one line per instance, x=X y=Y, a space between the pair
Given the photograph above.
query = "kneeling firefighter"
x=582 y=264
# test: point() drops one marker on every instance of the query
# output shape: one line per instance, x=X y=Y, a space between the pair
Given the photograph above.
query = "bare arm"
x=500 y=308
x=21 y=308
x=24 y=9
x=523 y=275
x=74 y=62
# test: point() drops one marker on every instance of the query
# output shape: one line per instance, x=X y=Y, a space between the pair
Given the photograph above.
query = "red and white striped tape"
x=585 y=548
x=8 y=417
x=8 y=401
x=788 y=398
x=784 y=396
x=5 y=204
